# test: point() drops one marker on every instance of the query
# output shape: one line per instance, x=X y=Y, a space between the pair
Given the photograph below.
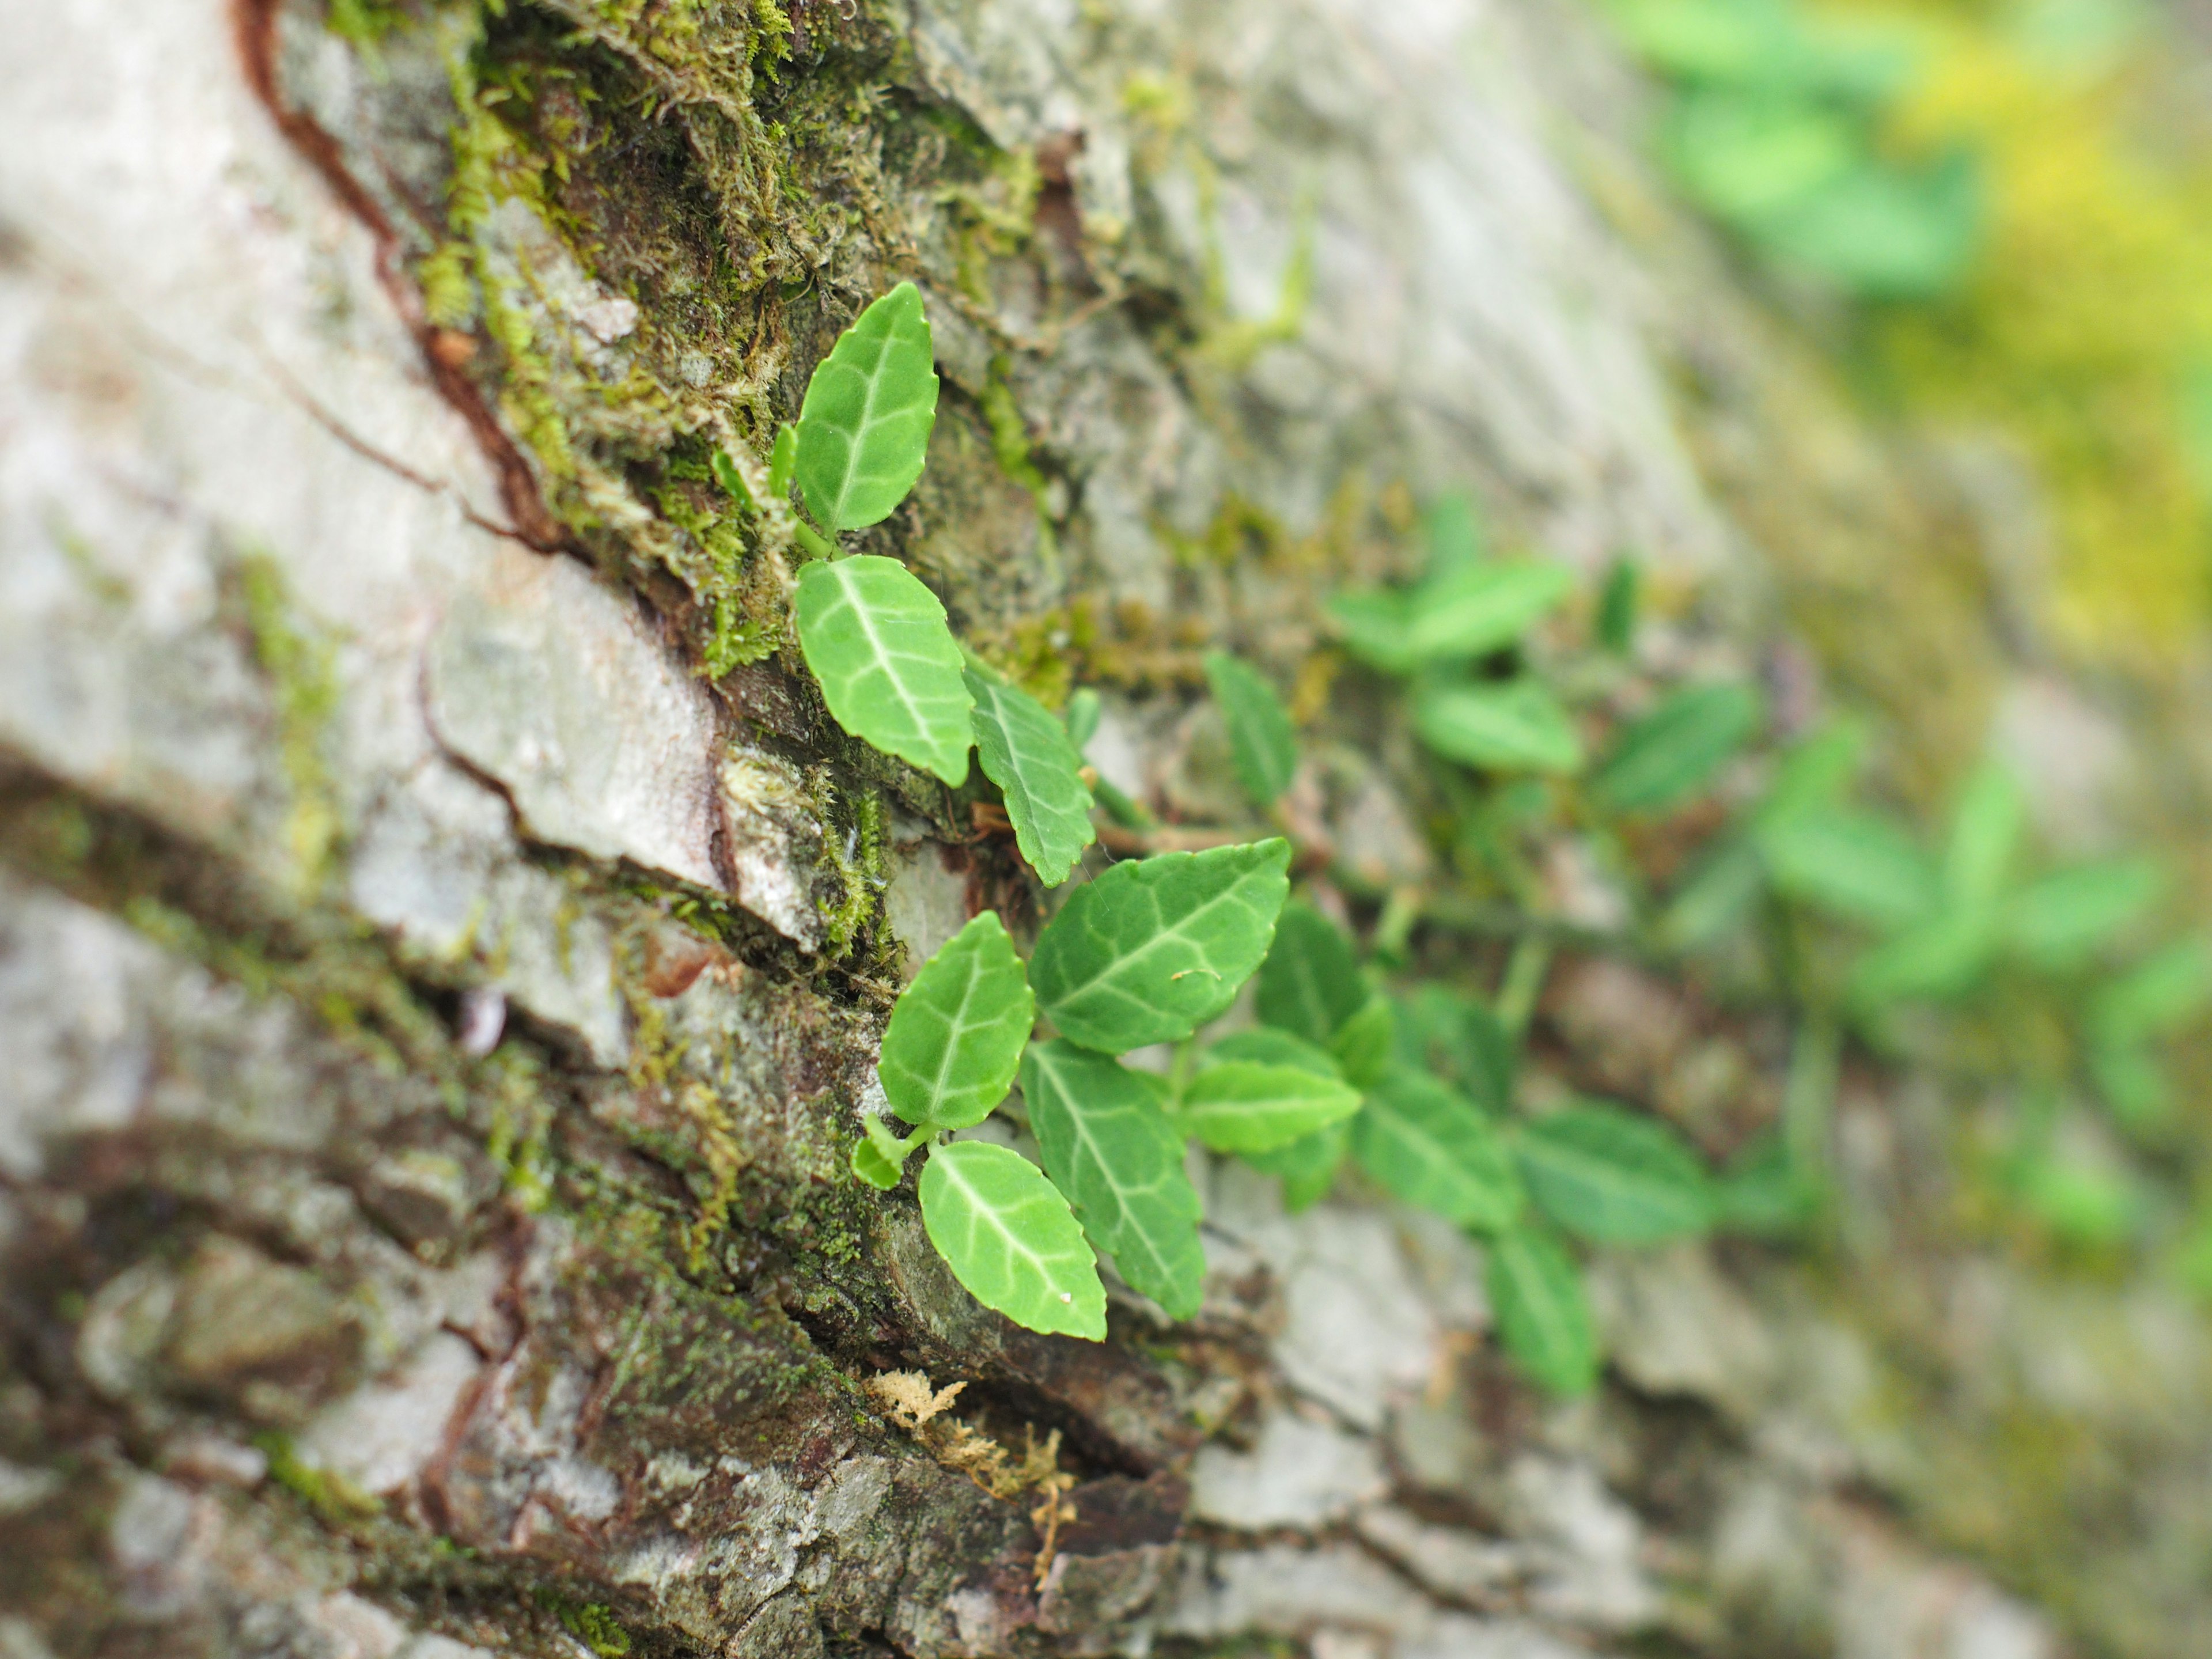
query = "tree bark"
x=444 y=941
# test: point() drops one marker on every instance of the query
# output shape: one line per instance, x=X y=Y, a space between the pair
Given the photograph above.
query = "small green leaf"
x=1310 y=984
x=1011 y=1239
x=1880 y=230
x=1364 y=1044
x=1943 y=956
x=1614 y=1178
x=1239 y=1106
x=1156 y=947
x=782 y=461
x=1512 y=726
x=1543 y=1315
x=1425 y=1144
x=1852 y=864
x=732 y=481
x=957 y=1033
x=1466 y=615
x=1456 y=538
x=869 y=1164
x=876 y=640
x=1739 y=156
x=1462 y=1040
x=1306 y=1168
x=1722 y=886
x=1082 y=717
x=2060 y=921
x=1815 y=772
x=1111 y=1148
x=1264 y=1045
x=1374 y=625
x=2133 y=1084
x=1765 y=1194
x=1025 y=751
x=1986 y=829
x=864 y=428
x=2158 y=997
x=2094 y=1204
x=1674 y=752
x=1616 y=606
x=1262 y=742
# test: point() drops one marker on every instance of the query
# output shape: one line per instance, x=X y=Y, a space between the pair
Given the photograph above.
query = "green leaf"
x=2060 y=921
x=1082 y=717
x=1240 y=1106
x=1306 y=1168
x=1855 y=865
x=1261 y=740
x=1477 y=608
x=2156 y=998
x=1614 y=1178
x=1986 y=829
x=1263 y=1045
x=1364 y=1044
x=1513 y=725
x=1011 y=1239
x=783 y=459
x=1616 y=606
x=732 y=481
x=1156 y=947
x=1880 y=230
x=1374 y=625
x=1674 y=752
x=2090 y=1205
x=1763 y=1194
x=1815 y=773
x=957 y=1033
x=1454 y=533
x=1543 y=1315
x=1108 y=1145
x=869 y=1164
x=1718 y=894
x=1943 y=956
x=1462 y=1040
x=876 y=640
x=1740 y=155
x=1025 y=751
x=1310 y=984
x=864 y=428
x=2133 y=1084
x=1425 y=1144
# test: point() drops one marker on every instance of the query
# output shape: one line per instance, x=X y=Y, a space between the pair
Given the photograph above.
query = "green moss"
x=855 y=858
x=591 y=1623
x=298 y=664
x=335 y=1501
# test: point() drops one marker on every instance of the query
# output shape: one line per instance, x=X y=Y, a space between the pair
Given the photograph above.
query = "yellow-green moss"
x=2089 y=307
x=303 y=686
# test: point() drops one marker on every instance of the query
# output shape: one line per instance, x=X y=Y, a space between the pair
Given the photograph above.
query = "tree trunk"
x=443 y=940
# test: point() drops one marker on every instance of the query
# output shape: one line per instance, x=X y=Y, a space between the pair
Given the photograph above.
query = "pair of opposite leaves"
x=1145 y=954
x=875 y=637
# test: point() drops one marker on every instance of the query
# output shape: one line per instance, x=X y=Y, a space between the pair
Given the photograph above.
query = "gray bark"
x=436 y=1008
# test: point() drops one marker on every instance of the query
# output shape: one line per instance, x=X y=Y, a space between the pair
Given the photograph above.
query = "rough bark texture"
x=443 y=940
